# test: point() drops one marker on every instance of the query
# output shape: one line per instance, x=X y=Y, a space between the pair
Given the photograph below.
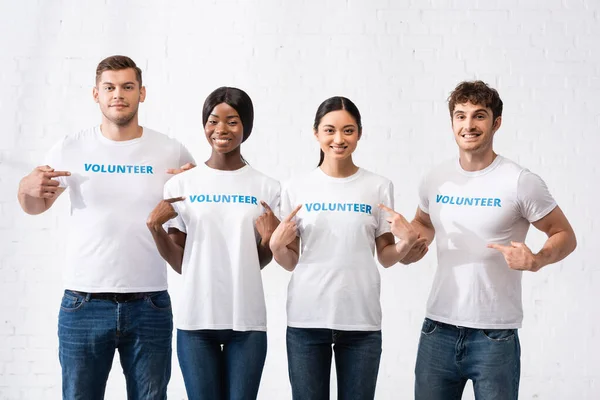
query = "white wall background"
x=398 y=60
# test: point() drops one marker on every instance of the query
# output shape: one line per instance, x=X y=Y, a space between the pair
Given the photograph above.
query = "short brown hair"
x=476 y=92
x=117 y=63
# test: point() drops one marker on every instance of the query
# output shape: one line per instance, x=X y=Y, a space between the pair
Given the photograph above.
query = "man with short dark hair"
x=115 y=280
x=479 y=206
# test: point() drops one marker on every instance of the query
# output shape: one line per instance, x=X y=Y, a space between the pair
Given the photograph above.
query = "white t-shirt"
x=222 y=284
x=336 y=284
x=473 y=285
x=112 y=189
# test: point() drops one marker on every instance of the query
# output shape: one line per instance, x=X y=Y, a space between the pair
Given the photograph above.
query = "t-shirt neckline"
x=110 y=142
x=339 y=180
x=480 y=172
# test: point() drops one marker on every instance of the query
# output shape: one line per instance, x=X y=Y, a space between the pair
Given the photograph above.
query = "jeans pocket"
x=160 y=301
x=70 y=302
x=428 y=327
x=499 y=335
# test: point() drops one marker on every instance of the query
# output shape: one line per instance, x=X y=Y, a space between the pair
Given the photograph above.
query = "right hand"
x=39 y=182
x=163 y=212
x=286 y=231
x=416 y=252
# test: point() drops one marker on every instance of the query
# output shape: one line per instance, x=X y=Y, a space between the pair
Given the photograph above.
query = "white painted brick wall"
x=398 y=60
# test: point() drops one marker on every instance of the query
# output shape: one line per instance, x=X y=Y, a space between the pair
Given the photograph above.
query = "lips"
x=221 y=141
x=338 y=149
x=470 y=135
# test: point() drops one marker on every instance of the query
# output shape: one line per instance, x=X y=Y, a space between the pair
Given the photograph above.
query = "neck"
x=226 y=162
x=470 y=161
x=121 y=133
x=339 y=168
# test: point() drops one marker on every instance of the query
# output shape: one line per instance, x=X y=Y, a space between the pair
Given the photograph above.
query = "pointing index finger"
x=55 y=174
x=266 y=206
x=175 y=199
x=386 y=208
x=293 y=213
x=498 y=247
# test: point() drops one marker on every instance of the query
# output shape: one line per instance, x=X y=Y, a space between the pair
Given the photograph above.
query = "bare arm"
x=285 y=244
x=38 y=190
x=426 y=232
x=560 y=243
x=265 y=225
x=170 y=245
x=422 y=224
x=561 y=238
x=287 y=256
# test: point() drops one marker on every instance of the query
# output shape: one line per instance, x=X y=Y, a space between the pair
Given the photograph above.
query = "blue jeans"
x=221 y=364
x=89 y=331
x=449 y=355
x=357 y=355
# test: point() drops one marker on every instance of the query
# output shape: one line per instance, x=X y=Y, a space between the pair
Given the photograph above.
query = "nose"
x=220 y=127
x=338 y=138
x=470 y=123
x=117 y=93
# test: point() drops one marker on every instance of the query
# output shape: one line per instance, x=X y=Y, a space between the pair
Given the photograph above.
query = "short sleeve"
x=285 y=204
x=386 y=197
x=185 y=156
x=171 y=189
x=424 y=195
x=275 y=201
x=533 y=196
x=55 y=159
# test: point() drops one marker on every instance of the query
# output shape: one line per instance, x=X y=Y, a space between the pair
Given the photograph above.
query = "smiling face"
x=338 y=135
x=474 y=127
x=119 y=95
x=224 y=130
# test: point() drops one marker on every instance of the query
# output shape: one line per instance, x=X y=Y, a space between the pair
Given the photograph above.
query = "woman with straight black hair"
x=336 y=217
x=220 y=219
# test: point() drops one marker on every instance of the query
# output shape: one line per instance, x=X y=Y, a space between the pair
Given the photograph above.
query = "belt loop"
x=88 y=296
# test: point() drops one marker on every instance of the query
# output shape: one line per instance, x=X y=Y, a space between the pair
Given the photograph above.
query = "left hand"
x=400 y=227
x=185 y=167
x=266 y=224
x=518 y=256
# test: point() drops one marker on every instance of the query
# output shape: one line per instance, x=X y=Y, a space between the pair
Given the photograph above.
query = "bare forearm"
x=286 y=257
x=32 y=205
x=423 y=230
x=393 y=253
x=556 y=248
x=170 y=251
x=264 y=254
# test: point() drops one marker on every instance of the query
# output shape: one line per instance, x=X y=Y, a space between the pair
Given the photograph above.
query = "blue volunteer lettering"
x=469 y=201
x=118 y=169
x=222 y=198
x=339 y=207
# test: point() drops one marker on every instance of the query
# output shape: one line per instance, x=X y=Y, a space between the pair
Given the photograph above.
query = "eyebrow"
x=478 y=110
x=228 y=117
x=346 y=126
x=126 y=83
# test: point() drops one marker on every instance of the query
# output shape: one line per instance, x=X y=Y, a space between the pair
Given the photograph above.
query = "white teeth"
x=470 y=135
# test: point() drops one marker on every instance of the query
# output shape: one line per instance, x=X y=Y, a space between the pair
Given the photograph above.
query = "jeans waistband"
x=116 y=297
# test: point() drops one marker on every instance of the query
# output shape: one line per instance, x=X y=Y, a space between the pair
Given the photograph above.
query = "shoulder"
x=264 y=178
x=374 y=178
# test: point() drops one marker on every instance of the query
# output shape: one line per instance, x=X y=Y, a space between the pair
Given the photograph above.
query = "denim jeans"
x=357 y=355
x=449 y=355
x=221 y=364
x=89 y=331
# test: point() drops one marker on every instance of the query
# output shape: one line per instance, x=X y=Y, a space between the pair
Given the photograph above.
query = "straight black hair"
x=238 y=100
x=335 y=104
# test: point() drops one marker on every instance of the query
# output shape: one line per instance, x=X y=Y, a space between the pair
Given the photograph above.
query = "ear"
x=142 y=94
x=95 y=94
x=359 y=134
x=316 y=133
x=497 y=123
